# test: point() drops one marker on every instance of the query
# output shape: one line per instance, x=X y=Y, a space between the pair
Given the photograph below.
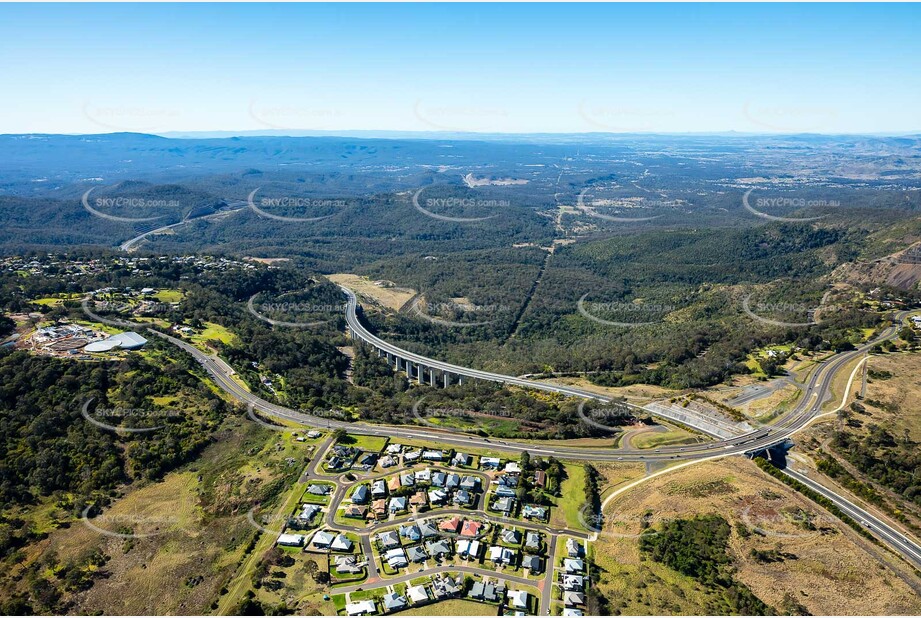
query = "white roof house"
x=342 y=543
x=417 y=594
x=518 y=599
x=501 y=554
x=573 y=565
x=323 y=538
x=396 y=558
x=361 y=608
x=466 y=547
x=291 y=540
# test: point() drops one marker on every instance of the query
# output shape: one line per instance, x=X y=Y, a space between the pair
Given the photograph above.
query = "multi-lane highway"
x=893 y=537
x=131 y=244
x=816 y=391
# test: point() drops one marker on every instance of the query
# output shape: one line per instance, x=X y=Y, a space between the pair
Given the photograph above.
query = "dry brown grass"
x=155 y=574
x=390 y=297
x=899 y=394
x=636 y=391
x=830 y=574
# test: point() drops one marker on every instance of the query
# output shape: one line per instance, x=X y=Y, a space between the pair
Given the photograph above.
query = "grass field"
x=169 y=296
x=373 y=444
x=51 y=301
x=390 y=297
x=566 y=511
x=828 y=563
x=655 y=439
x=214 y=332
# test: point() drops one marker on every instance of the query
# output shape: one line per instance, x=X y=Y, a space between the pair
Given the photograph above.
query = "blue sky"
x=502 y=67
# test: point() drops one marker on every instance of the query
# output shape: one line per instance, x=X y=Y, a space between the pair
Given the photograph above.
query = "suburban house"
x=323 y=539
x=394 y=602
x=532 y=511
x=438 y=548
x=362 y=608
x=378 y=489
x=419 y=499
x=504 y=505
x=490 y=463
x=388 y=539
x=397 y=504
x=417 y=594
x=501 y=555
x=428 y=529
x=396 y=558
x=471 y=528
x=356 y=512
x=518 y=599
x=572 y=582
x=348 y=564
x=487 y=592
x=540 y=478
x=573 y=598
x=308 y=511
x=411 y=532
x=468 y=549
x=360 y=495
x=318 y=490
x=433 y=455
x=573 y=565
x=416 y=553
x=532 y=540
x=291 y=540
x=450 y=525
x=341 y=543
x=573 y=548
x=445 y=587
x=461 y=459
x=532 y=563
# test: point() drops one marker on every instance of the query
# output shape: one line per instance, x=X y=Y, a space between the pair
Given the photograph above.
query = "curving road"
x=130 y=244
x=816 y=391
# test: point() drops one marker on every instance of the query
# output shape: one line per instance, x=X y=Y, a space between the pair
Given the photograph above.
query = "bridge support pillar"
x=431 y=377
x=409 y=369
x=447 y=379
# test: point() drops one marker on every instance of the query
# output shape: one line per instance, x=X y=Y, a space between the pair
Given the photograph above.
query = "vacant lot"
x=825 y=570
x=389 y=296
x=454 y=607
